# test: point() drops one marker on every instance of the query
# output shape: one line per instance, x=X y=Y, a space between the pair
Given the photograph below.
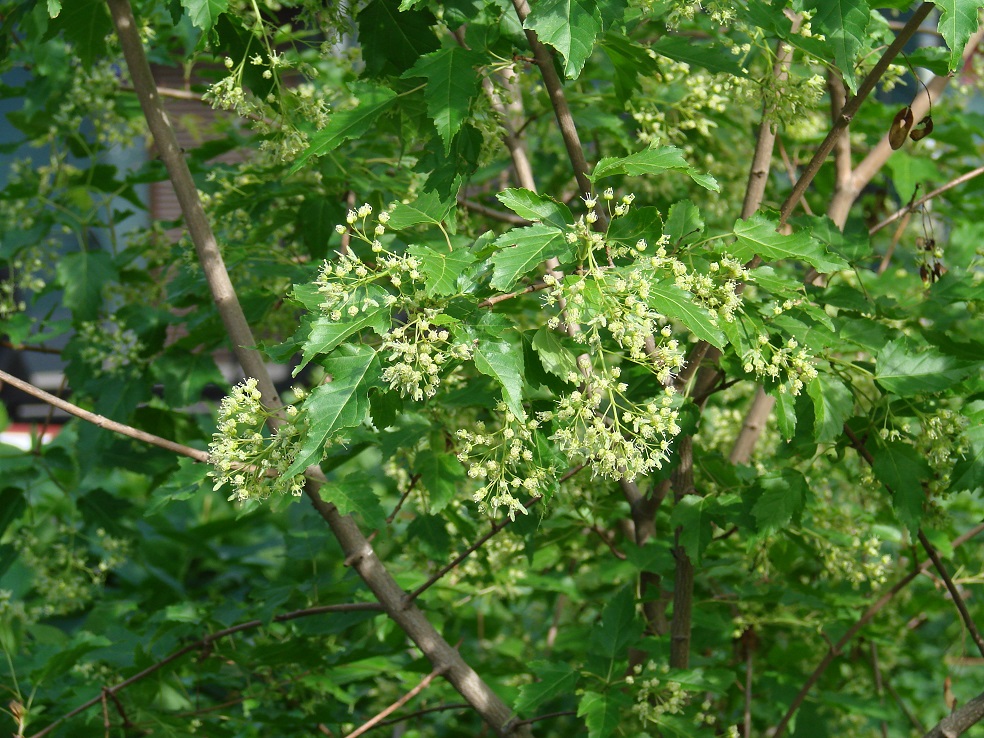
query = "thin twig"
x=495 y=300
x=547 y=716
x=379 y=717
x=960 y=720
x=205 y=642
x=425 y=711
x=30 y=347
x=966 y=177
x=413 y=483
x=958 y=599
x=879 y=685
x=836 y=649
x=851 y=108
x=492 y=213
x=103 y=422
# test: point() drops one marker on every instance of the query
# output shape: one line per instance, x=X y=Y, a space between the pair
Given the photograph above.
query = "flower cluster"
x=504 y=462
x=790 y=365
x=109 y=346
x=418 y=352
x=656 y=697
x=23 y=274
x=717 y=289
x=620 y=439
x=246 y=459
x=64 y=574
x=942 y=442
x=859 y=562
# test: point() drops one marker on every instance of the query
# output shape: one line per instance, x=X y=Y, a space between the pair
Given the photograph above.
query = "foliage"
x=504 y=251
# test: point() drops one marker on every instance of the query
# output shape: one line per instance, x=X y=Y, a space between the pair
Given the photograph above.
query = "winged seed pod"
x=901 y=124
x=922 y=130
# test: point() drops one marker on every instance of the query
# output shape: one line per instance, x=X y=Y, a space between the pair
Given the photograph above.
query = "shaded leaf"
x=905 y=372
x=691 y=514
x=354 y=495
x=619 y=626
x=554 y=356
x=603 y=713
x=553 y=680
x=783 y=498
x=82 y=275
x=532 y=206
x=392 y=40
x=452 y=84
x=833 y=405
x=901 y=468
x=712 y=57
x=441 y=474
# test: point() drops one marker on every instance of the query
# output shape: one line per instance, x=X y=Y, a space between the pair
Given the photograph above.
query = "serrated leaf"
x=712 y=57
x=85 y=24
x=442 y=268
x=619 y=626
x=906 y=372
x=683 y=222
x=833 y=405
x=785 y=414
x=677 y=303
x=354 y=495
x=901 y=468
x=82 y=275
x=691 y=514
x=373 y=102
x=570 y=26
x=603 y=713
x=204 y=13
x=844 y=24
x=499 y=359
x=392 y=40
x=522 y=250
x=530 y=205
x=639 y=223
x=339 y=404
x=783 y=498
x=440 y=473
x=428 y=208
x=630 y=61
x=554 y=357
x=757 y=236
x=327 y=334
x=958 y=20
x=452 y=84
x=553 y=680
x=654 y=160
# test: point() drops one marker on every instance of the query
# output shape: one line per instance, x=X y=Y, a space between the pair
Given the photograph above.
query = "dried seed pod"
x=922 y=130
x=901 y=125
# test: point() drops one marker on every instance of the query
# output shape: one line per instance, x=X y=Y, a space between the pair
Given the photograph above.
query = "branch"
x=876 y=158
x=683 y=581
x=926 y=198
x=357 y=549
x=377 y=719
x=488 y=212
x=103 y=422
x=960 y=720
x=752 y=427
x=851 y=109
x=958 y=599
x=870 y=613
x=204 y=643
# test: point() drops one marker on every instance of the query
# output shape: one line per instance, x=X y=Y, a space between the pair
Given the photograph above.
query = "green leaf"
x=339 y=404
x=428 y=208
x=327 y=334
x=909 y=171
x=901 y=370
x=691 y=514
x=54 y=8
x=430 y=532
x=452 y=84
x=354 y=495
x=683 y=223
x=554 y=356
x=654 y=160
x=442 y=269
x=833 y=404
x=499 y=359
x=677 y=303
x=12 y=504
x=570 y=26
x=712 y=57
x=757 y=236
x=553 y=680
x=783 y=498
x=639 y=223
x=392 y=40
x=603 y=713
x=522 y=250
x=441 y=474
x=901 y=468
x=204 y=13
x=630 y=61
x=958 y=20
x=844 y=24
x=785 y=414
x=619 y=626
x=373 y=102
x=968 y=473
x=82 y=275
x=85 y=24
x=529 y=205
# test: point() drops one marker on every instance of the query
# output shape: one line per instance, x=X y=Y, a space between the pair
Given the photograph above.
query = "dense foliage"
x=659 y=420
